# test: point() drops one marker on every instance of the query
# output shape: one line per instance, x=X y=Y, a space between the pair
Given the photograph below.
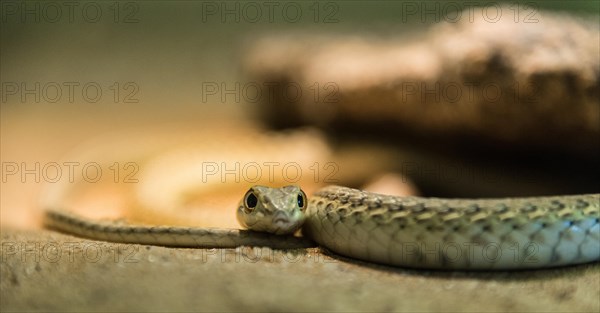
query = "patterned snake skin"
x=477 y=234
x=509 y=233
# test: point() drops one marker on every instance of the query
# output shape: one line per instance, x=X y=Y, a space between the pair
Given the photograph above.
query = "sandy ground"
x=47 y=271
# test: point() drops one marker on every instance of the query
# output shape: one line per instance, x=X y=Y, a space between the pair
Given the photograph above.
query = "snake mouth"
x=281 y=220
x=286 y=229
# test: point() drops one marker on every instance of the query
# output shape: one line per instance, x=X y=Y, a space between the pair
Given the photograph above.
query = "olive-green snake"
x=466 y=234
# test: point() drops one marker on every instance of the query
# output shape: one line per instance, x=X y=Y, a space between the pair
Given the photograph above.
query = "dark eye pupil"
x=251 y=201
x=300 y=201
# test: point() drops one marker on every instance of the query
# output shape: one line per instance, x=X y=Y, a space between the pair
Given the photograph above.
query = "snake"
x=411 y=232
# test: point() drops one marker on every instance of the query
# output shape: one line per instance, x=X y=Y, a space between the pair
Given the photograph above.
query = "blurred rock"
x=512 y=84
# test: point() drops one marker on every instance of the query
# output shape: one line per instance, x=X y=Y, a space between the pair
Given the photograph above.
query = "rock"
x=517 y=85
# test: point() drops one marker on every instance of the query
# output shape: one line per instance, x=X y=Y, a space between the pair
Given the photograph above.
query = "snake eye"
x=250 y=201
x=302 y=200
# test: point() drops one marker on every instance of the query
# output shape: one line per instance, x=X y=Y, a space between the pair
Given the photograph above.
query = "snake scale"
x=415 y=232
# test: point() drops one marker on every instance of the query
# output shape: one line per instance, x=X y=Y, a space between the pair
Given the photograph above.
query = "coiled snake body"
x=476 y=234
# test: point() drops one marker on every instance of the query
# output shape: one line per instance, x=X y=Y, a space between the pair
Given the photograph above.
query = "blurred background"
x=146 y=82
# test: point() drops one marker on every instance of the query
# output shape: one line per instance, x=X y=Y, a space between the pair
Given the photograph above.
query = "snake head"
x=275 y=210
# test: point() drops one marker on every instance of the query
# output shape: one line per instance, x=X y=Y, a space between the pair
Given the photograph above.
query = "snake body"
x=466 y=234
x=510 y=233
